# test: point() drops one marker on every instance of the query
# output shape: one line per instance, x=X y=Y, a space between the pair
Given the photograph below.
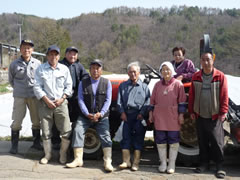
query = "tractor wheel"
x=188 y=150
x=92 y=145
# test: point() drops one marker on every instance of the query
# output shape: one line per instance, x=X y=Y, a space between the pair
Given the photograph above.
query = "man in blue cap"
x=52 y=86
x=21 y=77
x=78 y=73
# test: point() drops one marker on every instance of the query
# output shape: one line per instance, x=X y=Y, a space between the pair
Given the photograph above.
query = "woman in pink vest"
x=168 y=106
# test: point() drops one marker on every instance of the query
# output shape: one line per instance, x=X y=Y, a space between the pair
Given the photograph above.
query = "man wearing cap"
x=94 y=95
x=208 y=104
x=52 y=86
x=21 y=77
x=78 y=72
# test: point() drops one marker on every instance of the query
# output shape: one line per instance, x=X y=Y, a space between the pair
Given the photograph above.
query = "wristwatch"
x=64 y=96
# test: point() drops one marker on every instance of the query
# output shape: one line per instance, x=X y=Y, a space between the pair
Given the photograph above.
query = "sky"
x=57 y=9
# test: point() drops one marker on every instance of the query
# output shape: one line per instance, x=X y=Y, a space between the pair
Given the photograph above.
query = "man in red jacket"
x=208 y=104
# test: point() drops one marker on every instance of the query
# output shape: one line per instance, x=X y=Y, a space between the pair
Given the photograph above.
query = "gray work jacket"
x=21 y=76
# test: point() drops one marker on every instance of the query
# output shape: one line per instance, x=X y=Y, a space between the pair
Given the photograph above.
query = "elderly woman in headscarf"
x=168 y=106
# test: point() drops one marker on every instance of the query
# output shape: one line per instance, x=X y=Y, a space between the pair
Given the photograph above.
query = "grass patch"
x=3 y=88
x=21 y=138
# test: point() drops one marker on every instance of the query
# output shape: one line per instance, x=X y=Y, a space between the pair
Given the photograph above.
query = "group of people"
x=62 y=92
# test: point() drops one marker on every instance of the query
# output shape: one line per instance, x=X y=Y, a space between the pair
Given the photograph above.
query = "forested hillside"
x=121 y=35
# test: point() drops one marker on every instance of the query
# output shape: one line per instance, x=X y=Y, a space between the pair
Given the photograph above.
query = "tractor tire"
x=188 y=153
x=92 y=145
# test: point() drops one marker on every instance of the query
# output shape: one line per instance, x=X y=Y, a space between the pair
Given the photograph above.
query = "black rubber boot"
x=14 y=139
x=36 y=139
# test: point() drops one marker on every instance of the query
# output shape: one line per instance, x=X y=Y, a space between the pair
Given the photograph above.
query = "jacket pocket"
x=60 y=81
x=20 y=73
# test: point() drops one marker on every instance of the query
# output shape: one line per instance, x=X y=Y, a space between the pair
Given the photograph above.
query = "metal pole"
x=1 y=56
x=20 y=29
x=20 y=33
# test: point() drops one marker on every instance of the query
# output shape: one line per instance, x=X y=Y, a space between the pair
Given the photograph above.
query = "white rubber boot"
x=78 y=158
x=162 y=153
x=136 y=160
x=63 y=150
x=107 y=158
x=47 y=146
x=126 y=159
x=173 y=152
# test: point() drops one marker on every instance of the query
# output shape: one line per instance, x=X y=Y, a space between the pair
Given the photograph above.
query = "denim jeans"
x=102 y=128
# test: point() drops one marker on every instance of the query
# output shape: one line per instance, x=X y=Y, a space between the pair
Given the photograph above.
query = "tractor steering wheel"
x=153 y=70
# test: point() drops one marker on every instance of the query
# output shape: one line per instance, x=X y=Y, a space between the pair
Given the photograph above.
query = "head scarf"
x=169 y=65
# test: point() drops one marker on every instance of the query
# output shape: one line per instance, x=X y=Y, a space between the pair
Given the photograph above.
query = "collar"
x=65 y=61
x=22 y=59
x=139 y=82
x=169 y=82
x=177 y=65
x=215 y=73
x=49 y=66
x=94 y=81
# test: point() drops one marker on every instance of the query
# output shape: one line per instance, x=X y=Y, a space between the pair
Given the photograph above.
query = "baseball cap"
x=97 y=61
x=27 y=41
x=71 y=48
x=53 y=48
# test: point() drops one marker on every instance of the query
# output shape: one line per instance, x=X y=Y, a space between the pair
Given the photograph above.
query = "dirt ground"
x=26 y=165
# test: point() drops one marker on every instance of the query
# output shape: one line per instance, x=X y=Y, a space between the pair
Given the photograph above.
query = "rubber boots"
x=63 y=150
x=47 y=146
x=78 y=158
x=14 y=139
x=126 y=159
x=107 y=158
x=136 y=160
x=162 y=152
x=173 y=151
x=36 y=139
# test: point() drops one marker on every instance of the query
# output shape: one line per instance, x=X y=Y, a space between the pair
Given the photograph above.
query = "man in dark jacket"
x=78 y=73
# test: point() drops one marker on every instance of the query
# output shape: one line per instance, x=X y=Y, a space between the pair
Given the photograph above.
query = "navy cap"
x=27 y=41
x=97 y=61
x=53 y=48
x=71 y=48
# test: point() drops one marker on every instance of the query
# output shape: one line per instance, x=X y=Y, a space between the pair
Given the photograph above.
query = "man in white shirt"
x=53 y=85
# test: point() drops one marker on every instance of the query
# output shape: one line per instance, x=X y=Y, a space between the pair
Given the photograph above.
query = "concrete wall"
x=3 y=76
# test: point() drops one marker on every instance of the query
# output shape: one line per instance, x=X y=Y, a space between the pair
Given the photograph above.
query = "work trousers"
x=59 y=115
x=167 y=137
x=133 y=132
x=20 y=106
x=210 y=139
